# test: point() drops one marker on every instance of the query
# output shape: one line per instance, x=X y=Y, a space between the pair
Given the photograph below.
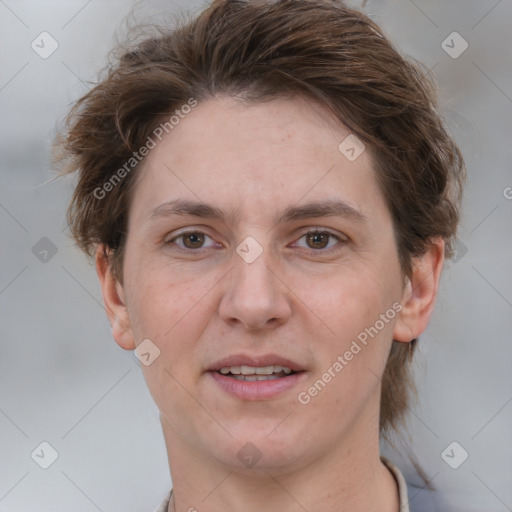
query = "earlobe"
x=114 y=301
x=419 y=293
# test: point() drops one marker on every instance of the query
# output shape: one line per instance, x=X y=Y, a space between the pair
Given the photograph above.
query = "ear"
x=419 y=293
x=114 y=300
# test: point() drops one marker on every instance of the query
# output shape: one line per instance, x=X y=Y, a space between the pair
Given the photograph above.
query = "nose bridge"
x=254 y=295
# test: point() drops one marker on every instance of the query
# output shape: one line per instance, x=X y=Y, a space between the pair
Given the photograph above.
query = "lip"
x=260 y=389
x=255 y=360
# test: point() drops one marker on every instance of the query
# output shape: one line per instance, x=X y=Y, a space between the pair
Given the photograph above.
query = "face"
x=258 y=259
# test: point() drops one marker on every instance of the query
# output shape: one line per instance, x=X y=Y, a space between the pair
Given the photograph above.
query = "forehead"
x=257 y=157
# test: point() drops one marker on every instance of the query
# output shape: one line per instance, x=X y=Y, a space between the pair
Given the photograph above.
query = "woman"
x=270 y=195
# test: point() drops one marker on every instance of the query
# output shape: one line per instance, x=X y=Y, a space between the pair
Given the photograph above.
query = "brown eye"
x=193 y=240
x=318 y=240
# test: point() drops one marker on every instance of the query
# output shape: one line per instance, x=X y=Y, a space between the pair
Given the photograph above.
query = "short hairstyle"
x=255 y=51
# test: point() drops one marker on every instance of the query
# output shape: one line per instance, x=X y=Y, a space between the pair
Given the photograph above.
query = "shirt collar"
x=397 y=474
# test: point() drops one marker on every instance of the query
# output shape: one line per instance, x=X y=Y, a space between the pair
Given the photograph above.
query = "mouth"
x=256 y=373
x=256 y=378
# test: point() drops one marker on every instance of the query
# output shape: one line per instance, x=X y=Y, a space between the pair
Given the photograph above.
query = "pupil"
x=193 y=240
x=318 y=240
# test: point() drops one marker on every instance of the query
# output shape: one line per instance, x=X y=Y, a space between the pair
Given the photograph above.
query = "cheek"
x=345 y=302
x=160 y=297
x=352 y=351
x=172 y=309
x=171 y=313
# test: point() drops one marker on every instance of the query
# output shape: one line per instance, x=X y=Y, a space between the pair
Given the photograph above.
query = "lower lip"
x=259 y=389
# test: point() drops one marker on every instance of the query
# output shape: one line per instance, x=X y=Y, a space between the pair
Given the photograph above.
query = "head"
x=235 y=125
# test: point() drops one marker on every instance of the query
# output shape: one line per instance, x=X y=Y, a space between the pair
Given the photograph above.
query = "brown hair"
x=258 y=50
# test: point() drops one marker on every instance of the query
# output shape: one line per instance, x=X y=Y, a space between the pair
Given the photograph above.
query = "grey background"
x=62 y=378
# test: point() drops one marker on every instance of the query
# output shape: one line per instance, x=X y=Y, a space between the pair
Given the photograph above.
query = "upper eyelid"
x=305 y=232
x=340 y=238
x=188 y=232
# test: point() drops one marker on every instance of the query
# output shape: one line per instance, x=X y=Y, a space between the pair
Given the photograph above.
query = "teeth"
x=253 y=378
x=263 y=370
x=260 y=370
x=255 y=371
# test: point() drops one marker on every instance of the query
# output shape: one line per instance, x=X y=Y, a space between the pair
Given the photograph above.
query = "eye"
x=191 y=240
x=320 y=240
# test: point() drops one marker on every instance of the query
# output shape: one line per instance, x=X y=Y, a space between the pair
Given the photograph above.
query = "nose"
x=255 y=297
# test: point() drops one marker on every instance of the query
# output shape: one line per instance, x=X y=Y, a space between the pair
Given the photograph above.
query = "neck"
x=349 y=478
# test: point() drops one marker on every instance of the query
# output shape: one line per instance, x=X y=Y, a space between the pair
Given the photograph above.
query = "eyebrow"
x=326 y=208
x=185 y=207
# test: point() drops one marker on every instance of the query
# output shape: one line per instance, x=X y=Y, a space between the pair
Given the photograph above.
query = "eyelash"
x=310 y=232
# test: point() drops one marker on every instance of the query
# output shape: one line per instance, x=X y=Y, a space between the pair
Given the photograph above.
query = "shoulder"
x=165 y=504
x=412 y=498
x=401 y=484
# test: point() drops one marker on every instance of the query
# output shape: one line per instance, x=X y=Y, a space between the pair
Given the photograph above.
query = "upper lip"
x=255 y=361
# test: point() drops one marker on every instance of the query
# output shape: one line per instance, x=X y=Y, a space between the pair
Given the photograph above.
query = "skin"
x=297 y=299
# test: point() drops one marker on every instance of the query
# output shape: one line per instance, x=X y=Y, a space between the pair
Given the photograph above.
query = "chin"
x=253 y=451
